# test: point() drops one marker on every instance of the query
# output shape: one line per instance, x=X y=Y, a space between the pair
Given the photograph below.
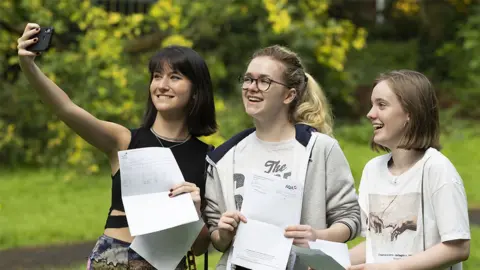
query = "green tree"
x=99 y=58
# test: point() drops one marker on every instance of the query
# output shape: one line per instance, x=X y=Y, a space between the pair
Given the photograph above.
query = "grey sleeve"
x=341 y=198
x=213 y=197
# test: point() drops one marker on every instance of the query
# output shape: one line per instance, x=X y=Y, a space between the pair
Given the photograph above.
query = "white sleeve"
x=363 y=202
x=449 y=202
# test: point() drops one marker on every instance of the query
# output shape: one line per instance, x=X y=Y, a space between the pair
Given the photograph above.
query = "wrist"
x=225 y=238
x=321 y=234
x=221 y=241
x=25 y=59
x=26 y=63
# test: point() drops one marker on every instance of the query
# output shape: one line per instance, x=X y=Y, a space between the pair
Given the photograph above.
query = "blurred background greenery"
x=54 y=187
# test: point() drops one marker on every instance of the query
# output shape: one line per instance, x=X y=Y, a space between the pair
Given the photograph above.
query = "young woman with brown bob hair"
x=412 y=199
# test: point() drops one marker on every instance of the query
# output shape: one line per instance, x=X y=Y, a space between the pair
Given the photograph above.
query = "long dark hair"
x=201 y=119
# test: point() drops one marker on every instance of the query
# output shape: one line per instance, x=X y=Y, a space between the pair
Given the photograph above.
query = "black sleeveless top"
x=190 y=157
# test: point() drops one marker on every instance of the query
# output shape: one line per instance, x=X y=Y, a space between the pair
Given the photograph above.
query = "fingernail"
x=171 y=190
x=35 y=39
x=170 y=194
x=38 y=29
x=38 y=53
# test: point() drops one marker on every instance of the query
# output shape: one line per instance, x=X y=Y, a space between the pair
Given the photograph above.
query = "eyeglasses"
x=263 y=83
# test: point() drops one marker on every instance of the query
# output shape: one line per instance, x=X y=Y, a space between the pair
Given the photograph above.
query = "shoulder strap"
x=205 y=256
x=423 y=204
x=191 y=264
x=133 y=133
x=423 y=209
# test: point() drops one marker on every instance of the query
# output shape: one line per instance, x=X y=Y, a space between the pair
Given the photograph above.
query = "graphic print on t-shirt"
x=393 y=225
x=238 y=181
x=274 y=167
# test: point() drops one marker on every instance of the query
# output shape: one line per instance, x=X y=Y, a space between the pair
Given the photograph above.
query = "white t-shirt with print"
x=276 y=158
x=391 y=207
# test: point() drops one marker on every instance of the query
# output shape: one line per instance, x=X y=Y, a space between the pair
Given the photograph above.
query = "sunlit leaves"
x=176 y=40
x=167 y=14
x=407 y=7
x=277 y=15
x=333 y=39
x=90 y=60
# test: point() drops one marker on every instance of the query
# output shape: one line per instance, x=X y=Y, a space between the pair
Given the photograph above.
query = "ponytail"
x=313 y=108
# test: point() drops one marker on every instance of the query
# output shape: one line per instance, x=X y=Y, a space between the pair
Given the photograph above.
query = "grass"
x=39 y=207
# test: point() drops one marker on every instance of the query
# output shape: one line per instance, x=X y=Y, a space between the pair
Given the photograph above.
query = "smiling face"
x=387 y=116
x=170 y=90
x=263 y=105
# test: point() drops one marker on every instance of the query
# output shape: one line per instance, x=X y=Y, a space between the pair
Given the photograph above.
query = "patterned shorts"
x=110 y=253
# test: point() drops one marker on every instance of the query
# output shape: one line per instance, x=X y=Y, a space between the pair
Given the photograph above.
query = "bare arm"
x=437 y=257
x=106 y=136
x=200 y=246
x=338 y=232
x=358 y=254
x=220 y=244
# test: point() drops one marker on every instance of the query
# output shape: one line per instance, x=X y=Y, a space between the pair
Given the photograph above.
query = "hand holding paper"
x=147 y=175
x=227 y=226
x=187 y=187
x=270 y=204
x=302 y=234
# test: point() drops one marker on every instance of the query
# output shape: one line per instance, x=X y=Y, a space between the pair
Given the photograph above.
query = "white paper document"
x=270 y=204
x=147 y=175
x=322 y=255
x=165 y=249
x=260 y=245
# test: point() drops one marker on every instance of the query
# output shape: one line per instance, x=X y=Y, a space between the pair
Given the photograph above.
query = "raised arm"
x=106 y=136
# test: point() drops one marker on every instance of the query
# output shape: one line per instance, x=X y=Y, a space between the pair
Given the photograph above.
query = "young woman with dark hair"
x=180 y=108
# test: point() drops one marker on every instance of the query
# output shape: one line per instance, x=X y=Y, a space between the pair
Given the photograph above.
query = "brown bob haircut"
x=417 y=98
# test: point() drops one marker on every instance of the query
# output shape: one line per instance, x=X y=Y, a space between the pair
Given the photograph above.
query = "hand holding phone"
x=44 y=39
x=34 y=40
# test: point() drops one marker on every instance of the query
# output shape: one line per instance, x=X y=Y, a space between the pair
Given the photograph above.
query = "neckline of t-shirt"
x=272 y=144
x=417 y=164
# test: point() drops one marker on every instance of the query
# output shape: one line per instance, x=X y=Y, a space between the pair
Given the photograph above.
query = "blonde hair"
x=310 y=106
x=313 y=109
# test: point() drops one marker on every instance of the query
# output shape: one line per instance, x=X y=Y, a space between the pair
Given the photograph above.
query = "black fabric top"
x=190 y=157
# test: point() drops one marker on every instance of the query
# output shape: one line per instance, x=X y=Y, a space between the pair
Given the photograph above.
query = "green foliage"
x=463 y=55
x=380 y=56
x=363 y=67
x=100 y=58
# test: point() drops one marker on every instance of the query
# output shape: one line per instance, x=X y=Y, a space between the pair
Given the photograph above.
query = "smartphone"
x=44 y=40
